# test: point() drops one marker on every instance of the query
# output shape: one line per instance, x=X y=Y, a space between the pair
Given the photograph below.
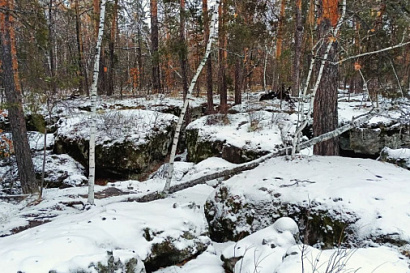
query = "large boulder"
x=329 y=206
x=372 y=138
x=399 y=157
x=129 y=143
x=272 y=241
x=237 y=138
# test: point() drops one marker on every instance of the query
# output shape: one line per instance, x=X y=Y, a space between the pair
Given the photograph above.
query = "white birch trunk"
x=93 y=95
x=170 y=169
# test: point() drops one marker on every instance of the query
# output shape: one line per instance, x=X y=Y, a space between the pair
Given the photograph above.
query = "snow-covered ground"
x=75 y=235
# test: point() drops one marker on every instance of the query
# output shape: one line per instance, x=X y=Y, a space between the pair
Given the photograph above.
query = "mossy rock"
x=168 y=252
x=232 y=217
x=199 y=149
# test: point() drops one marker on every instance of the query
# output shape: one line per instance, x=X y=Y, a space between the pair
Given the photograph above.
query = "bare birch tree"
x=93 y=125
x=211 y=39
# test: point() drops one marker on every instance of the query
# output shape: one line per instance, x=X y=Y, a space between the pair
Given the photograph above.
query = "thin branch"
x=370 y=53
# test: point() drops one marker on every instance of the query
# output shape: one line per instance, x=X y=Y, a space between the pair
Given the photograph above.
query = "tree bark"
x=279 y=41
x=238 y=81
x=21 y=146
x=222 y=87
x=83 y=85
x=52 y=67
x=110 y=90
x=325 y=115
x=209 y=83
x=298 y=36
x=156 y=84
x=183 y=49
x=93 y=125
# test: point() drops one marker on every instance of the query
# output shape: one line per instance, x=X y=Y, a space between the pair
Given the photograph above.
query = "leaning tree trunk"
x=93 y=126
x=209 y=84
x=325 y=116
x=14 y=102
x=170 y=169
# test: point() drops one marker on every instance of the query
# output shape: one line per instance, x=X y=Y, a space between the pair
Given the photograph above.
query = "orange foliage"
x=357 y=66
x=331 y=11
x=134 y=76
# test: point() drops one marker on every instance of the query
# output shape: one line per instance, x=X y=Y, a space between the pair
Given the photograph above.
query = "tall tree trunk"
x=110 y=71
x=14 y=101
x=93 y=126
x=325 y=115
x=279 y=41
x=238 y=80
x=222 y=87
x=52 y=66
x=209 y=83
x=140 y=65
x=183 y=49
x=156 y=84
x=83 y=85
x=298 y=47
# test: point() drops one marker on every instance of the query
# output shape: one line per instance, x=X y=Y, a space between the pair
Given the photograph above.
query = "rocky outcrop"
x=232 y=217
x=329 y=208
x=372 y=139
x=271 y=241
x=129 y=143
x=173 y=250
x=399 y=157
x=242 y=138
x=112 y=264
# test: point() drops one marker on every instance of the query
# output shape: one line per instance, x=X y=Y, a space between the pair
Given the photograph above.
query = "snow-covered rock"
x=269 y=250
x=60 y=171
x=107 y=238
x=239 y=137
x=400 y=157
x=370 y=139
x=341 y=200
x=128 y=142
x=277 y=238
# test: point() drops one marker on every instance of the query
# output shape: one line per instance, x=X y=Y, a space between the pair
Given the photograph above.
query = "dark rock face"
x=202 y=141
x=232 y=217
x=124 y=146
x=199 y=150
x=168 y=252
x=371 y=140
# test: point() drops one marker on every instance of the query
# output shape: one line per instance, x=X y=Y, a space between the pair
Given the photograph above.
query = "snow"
x=75 y=237
x=259 y=130
x=321 y=180
x=378 y=194
x=117 y=126
x=397 y=153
